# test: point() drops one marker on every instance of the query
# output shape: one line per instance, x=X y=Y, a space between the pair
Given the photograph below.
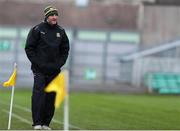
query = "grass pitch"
x=94 y=111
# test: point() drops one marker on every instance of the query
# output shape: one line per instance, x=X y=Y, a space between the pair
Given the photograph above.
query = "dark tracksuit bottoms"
x=42 y=102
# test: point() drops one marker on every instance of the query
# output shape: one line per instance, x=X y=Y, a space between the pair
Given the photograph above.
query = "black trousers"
x=42 y=102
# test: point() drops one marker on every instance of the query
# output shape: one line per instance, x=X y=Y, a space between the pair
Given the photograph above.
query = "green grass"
x=101 y=111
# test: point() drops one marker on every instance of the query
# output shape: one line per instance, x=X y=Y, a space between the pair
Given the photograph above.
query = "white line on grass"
x=28 y=110
x=54 y=120
x=18 y=117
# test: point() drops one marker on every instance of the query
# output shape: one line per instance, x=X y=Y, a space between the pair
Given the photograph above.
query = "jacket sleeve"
x=64 y=49
x=31 y=45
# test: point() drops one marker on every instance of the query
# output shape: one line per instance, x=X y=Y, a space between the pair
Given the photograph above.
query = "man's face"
x=52 y=19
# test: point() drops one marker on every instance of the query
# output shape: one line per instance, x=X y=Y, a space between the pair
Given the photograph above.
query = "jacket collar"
x=50 y=26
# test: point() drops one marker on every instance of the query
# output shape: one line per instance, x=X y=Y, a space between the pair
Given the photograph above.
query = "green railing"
x=163 y=83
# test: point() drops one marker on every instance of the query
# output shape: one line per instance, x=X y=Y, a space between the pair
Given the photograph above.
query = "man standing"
x=47 y=48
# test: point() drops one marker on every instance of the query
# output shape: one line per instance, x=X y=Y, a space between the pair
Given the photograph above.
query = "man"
x=47 y=48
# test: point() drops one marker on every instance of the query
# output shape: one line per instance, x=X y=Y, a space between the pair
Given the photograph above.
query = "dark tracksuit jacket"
x=47 y=49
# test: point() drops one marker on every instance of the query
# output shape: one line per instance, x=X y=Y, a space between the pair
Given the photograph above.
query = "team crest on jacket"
x=58 y=35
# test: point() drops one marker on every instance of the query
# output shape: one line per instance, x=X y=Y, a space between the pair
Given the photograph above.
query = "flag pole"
x=10 y=111
x=11 y=104
x=66 y=102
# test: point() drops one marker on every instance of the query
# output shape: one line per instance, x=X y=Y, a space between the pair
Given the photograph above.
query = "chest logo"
x=42 y=32
x=58 y=35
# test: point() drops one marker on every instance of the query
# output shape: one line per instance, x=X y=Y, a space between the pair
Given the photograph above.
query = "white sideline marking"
x=28 y=110
x=18 y=117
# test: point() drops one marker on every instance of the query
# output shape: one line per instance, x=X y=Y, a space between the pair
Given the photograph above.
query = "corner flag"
x=58 y=86
x=12 y=79
x=11 y=82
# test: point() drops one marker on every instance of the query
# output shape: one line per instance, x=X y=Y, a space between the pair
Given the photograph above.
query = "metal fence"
x=160 y=59
x=92 y=60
